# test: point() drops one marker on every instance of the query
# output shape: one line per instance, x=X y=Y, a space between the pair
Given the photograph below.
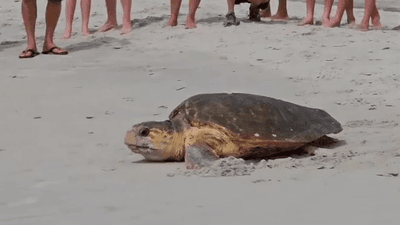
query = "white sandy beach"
x=63 y=119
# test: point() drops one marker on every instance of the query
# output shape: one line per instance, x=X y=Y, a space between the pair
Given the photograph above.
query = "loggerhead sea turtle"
x=206 y=127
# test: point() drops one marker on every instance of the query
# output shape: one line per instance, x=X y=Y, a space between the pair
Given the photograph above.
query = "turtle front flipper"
x=198 y=156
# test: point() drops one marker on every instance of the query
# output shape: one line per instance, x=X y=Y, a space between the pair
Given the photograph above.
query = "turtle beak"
x=130 y=138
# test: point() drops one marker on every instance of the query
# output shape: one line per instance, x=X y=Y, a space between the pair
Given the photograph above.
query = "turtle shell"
x=258 y=116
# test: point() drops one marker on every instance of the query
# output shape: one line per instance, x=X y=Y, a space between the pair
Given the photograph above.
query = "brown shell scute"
x=253 y=115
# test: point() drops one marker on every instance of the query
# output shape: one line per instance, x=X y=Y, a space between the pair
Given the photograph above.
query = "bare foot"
x=85 y=32
x=265 y=13
x=331 y=23
x=190 y=24
x=172 y=22
x=363 y=27
x=351 y=22
x=376 y=22
x=306 y=21
x=108 y=26
x=126 y=29
x=280 y=17
x=67 y=34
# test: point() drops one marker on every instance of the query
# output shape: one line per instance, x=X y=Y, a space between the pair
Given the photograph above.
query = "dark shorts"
x=264 y=5
x=55 y=1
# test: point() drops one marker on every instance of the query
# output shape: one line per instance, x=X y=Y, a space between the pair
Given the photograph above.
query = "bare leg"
x=368 y=12
x=53 y=11
x=375 y=18
x=230 y=16
x=231 y=5
x=351 y=20
x=126 y=7
x=85 y=8
x=335 y=22
x=191 y=21
x=265 y=13
x=327 y=12
x=309 y=20
x=69 y=17
x=175 y=6
x=281 y=14
x=29 y=14
x=111 y=16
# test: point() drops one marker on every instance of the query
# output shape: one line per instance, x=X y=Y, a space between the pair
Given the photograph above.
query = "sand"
x=63 y=119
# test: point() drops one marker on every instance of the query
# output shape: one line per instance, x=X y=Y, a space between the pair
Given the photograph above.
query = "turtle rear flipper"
x=198 y=156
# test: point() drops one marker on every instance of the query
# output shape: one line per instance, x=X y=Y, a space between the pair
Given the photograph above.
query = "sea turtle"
x=206 y=127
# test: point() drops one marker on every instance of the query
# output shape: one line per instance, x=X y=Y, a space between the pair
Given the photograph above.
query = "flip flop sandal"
x=51 y=51
x=33 y=54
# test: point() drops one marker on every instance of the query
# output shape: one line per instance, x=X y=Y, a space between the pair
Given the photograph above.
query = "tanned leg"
x=370 y=5
x=85 y=9
x=265 y=13
x=309 y=19
x=335 y=22
x=175 y=6
x=191 y=21
x=29 y=14
x=376 y=18
x=111 y=22
x=231 y=6
x=351 y=20
x=53 y=11
x=327 y=12
x=282 y=13
x=127 y=26
x=69 y=18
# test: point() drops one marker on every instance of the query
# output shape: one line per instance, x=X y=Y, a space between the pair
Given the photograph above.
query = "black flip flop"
x=51 y=51
x=33 y=54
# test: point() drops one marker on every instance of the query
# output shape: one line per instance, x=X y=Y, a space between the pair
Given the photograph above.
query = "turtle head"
x=151 y=140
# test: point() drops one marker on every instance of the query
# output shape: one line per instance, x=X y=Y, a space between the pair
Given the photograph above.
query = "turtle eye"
x=144 y=132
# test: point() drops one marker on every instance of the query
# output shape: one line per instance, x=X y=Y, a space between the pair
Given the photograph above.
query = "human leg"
x=265 y=13
x=175 y=6
x=69 y=18
x=342 y=6
x=282 y=13
x=53 y=11
x=327 y=12
x=191 y=20
x=375 y=18
x=126 y=25
x=29 y=14
x=231 y=6
x=368 y=11
x=85 y=9
x=309 y=19
x=111 y=22
x=351 y=19
x=230 y=16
